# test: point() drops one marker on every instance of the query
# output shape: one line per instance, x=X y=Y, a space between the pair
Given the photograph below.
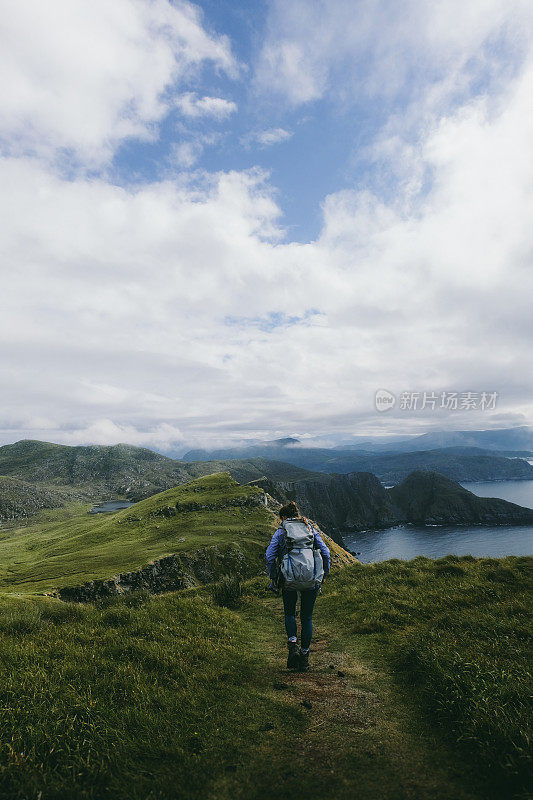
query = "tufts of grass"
x=128 y=600
x=124 y=701
x=453 y=570
x=20 y=620
x=227 y=591
x=458 y=632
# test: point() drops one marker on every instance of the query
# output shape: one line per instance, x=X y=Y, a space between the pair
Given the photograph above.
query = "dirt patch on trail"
x=360 y=738
x=330 y=690
x=341 y=731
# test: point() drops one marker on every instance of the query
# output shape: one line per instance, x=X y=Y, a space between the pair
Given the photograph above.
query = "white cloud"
x=268 y=137
x=106 y=431
x=344 y=49
x=132 y=305
x=186 y=154
x=177 y=309
x=83 y=77
x=191 y=105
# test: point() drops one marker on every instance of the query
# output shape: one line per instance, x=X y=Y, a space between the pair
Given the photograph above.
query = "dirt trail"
x=359 y=740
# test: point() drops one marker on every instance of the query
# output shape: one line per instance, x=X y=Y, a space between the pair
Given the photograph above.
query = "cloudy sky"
x=227 y=220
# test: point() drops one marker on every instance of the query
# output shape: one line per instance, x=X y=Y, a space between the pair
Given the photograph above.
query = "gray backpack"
x=301 y=564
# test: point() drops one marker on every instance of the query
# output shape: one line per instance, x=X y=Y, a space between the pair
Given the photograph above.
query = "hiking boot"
x=293 y=659
x=303 y=666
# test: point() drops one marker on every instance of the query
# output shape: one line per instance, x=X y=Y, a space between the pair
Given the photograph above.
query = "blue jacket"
x=276 y=545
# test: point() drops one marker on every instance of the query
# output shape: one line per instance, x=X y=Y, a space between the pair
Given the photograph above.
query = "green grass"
x=457 y=632
x=184 y=695
x=136 y=699
x=66 y=550
x=175 y=697
x=362 y=737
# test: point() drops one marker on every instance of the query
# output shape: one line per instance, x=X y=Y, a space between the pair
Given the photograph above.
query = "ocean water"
x=520 y=492
x=408 y=541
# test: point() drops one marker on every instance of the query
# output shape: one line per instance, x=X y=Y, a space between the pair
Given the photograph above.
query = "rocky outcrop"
x=351 y=502
x=19 y=499
x=428 y=498
x=167 y=574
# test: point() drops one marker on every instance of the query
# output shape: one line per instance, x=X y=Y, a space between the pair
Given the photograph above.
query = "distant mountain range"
x=513 y=440
x=102 y=472
x=458 y=463
x=518 y=439
x=48 y=475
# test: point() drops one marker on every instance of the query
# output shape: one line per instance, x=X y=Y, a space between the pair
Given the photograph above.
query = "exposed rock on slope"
x=429 y=498
x=168 y=574
x=19 y=499
x=355 y=502
x=182 y=570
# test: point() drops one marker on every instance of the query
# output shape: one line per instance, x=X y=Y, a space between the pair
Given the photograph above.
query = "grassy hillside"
x=99 y=472
x=214 y=524
x=131 y=702
x=457 y=634
x=120 y=468
x=173 y=697
x=419 y=689
x=213 y=511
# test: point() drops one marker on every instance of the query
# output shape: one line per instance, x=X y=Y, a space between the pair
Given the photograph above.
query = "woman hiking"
x=298 y=561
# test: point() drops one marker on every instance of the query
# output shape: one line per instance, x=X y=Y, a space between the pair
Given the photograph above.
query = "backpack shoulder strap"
x=283 y=540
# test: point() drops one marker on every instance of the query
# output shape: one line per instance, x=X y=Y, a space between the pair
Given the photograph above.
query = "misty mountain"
x=458 y=463
x=509 y=439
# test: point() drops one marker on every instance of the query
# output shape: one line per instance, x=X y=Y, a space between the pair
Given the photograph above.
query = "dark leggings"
x=307 y=602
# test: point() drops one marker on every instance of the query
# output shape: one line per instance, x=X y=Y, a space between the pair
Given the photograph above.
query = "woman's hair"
x=289 y=511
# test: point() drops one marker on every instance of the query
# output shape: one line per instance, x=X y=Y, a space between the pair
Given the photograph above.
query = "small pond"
x=110 y=505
